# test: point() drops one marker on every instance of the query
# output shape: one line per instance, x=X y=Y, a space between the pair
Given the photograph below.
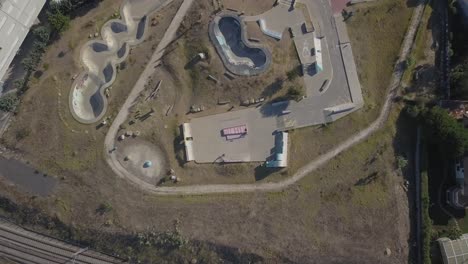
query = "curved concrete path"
x=276 y=186
x=87 y=101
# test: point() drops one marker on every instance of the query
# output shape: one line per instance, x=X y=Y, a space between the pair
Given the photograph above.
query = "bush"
x=29 y=63
x=59 y=21
x=454 y=231
x=42 y=33
x=293 y=74
x=9 y=102
x=426 y=220
x=18 y=84
x=104 y=208
x=443 y=130
x=22 y=133
x=166 y=240
x=296 y=93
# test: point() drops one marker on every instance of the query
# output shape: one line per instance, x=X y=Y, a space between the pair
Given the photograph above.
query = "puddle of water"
x=26 y=177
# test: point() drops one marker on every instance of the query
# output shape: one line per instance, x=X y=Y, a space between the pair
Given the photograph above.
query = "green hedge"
x=426 y=219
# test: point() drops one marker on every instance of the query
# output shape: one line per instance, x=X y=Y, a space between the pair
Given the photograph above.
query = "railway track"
x=23 y=246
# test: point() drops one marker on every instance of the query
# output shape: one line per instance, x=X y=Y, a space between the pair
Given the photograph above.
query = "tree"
x=9 y=102
x=402 y=162
x=443 y=130
x=42 y=33
x=29 y=63
x=59 y=21
x=454 y=231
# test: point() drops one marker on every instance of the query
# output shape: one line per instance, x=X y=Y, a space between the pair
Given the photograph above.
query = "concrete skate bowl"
x=239 y=56
x=88 y=103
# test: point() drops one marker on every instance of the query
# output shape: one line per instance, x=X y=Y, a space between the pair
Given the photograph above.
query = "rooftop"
x=454 y=251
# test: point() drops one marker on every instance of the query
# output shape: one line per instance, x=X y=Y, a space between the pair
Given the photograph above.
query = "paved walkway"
x=302 y=172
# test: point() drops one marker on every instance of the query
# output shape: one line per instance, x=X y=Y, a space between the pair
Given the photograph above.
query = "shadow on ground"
x=261 y=172
x=404 y=145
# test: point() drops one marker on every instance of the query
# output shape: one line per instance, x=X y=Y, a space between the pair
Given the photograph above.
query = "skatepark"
x=99 y=58
x=332 y=91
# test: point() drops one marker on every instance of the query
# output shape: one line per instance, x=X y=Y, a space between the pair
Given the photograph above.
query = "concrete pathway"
x=302 y=172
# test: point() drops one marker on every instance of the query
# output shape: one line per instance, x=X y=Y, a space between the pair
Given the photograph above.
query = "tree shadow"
x=368 y=179
x=275 y=108
x=179 y=147
x=272 y=88
x=412 y=3
x=84 y=8
x=404 y=144
x=192 y=62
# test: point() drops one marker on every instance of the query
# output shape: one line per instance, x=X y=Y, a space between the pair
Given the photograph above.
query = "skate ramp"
x=88 y=103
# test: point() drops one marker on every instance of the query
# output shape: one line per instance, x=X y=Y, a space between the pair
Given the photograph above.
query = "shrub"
x=293 y=74
x=22 y=133
x=18 y=84
x=42 y=33
x=426 y=219
x=29 y=63
x=296 y=93
x=9 y=102
x=59 y=21
x=166 y=240
x=402 y=162
x=104 y=208
x=443 y=130
x=454 y=231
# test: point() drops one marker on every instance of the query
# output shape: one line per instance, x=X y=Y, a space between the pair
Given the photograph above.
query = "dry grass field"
x=349 y=211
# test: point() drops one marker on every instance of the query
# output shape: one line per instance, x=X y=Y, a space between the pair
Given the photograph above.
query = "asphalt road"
x=326 y=26
x=23 y=246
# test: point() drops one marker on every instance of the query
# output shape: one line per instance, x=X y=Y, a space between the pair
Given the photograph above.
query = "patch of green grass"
x=374 y=195
x=417 y=53
x=376 y=32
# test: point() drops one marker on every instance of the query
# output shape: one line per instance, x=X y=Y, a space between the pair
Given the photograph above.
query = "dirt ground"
x=249 y=7
x=349 y=211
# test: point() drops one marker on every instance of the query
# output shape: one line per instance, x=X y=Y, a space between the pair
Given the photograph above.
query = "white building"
x=16 y=18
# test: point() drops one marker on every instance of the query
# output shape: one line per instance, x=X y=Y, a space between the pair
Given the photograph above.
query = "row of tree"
x=445 y=132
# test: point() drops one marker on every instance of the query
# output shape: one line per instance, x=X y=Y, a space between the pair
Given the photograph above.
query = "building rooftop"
x=456 y=108
x=16 y=18
x=454 y=251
